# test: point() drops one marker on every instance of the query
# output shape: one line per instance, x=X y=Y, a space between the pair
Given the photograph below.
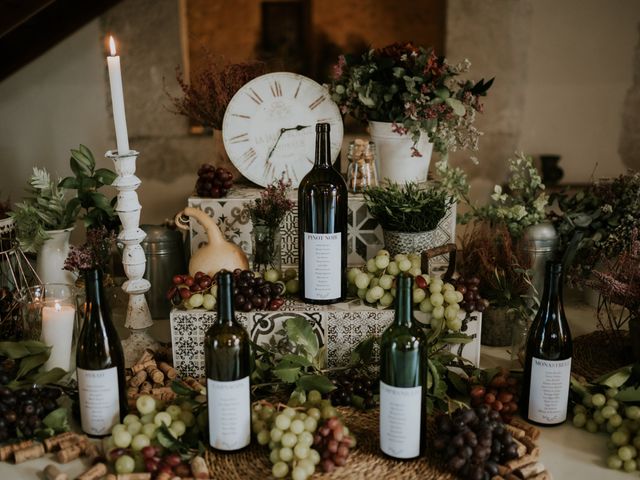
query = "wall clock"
x=269 y=126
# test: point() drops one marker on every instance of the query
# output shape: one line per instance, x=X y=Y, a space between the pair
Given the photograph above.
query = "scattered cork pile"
x=151 y=376
x=526 y=466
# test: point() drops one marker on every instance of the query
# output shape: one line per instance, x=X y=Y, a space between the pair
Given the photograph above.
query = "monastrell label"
x=322 y=265
x=99 y=400
x=549 y=394
x=400 y=420
x=229 y=408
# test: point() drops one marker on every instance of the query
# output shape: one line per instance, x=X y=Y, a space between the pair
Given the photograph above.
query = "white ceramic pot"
x=51 y=257
x=394 y=160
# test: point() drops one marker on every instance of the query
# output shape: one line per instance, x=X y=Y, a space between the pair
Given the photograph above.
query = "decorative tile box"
x=340 y=327
x=365 y=234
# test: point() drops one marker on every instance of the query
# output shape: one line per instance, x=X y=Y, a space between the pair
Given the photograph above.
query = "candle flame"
x=112 y=46
x=57 y=307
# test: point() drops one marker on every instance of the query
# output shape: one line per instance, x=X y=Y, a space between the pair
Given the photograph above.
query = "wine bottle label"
x=322 y=265
x=549 y=394
x=400 y=419
x=99 y=400
x=229 y=414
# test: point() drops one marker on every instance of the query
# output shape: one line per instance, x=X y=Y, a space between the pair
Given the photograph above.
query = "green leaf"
x=297 y=397
x=50 y=376
x=27 y=364
x=87 y=153
x=616 y=378
x=316 y=382
x=456 y=338
x=84 y=164
x=287 y=373
x=456 y=105
x=179 y=388
x=79 y=170
x=629 y=395
x=57 y=420
x=301 y=334
x=458 y=383
x=442 y=93
x=100 y=201
x=22 y=349
x=363 y=352
x=166 y=439
x=105 y=176
x=296 y=360
x=70 y=183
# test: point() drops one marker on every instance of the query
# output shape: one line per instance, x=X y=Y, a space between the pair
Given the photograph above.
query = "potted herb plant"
x=43 y=222
x=267 y=213
x=413 y=100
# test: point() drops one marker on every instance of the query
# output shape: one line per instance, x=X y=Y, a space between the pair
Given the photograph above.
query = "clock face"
x=269 y=127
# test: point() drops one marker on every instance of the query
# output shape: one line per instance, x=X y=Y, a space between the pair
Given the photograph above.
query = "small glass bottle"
x=361 y=172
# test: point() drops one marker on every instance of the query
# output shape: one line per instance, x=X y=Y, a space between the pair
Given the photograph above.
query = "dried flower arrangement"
x=490 y=253
x=272 y=205
x=205 y=99
x=94 y=253
x=413 y=88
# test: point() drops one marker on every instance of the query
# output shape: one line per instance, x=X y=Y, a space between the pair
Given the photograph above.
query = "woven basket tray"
x=365 y=462
x=596 y=353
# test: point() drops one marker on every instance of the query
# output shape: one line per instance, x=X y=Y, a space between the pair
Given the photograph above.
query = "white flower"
x=519 y=212
x=607 y=208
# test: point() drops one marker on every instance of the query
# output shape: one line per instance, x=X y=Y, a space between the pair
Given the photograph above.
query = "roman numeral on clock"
x=243 y=137
x=255 y=97
x=297 y=89
x=276 y=89
x=317 y=102
x=249 y=157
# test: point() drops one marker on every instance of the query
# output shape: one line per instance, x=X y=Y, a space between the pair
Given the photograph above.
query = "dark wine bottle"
x=547 y=370
x=402 y=378
x=322 y=228
x=99 y=363
x=227 y=364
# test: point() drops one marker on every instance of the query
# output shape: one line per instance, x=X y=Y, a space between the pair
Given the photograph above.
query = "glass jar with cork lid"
x=361 y=172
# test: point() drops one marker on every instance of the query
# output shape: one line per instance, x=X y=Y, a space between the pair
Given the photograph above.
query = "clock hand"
x=282 y=130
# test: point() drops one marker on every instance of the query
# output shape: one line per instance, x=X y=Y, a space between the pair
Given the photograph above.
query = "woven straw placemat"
x=365 y=462
x=597 y=353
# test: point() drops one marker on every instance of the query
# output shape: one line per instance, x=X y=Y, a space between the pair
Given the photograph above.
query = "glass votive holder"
x=49 y=313
x=361 y=172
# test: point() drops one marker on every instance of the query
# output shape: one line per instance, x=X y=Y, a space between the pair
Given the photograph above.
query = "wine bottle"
x=322 y=228
x=547 y=370
x=402 y=377
x=99 y=363
x=227 y=365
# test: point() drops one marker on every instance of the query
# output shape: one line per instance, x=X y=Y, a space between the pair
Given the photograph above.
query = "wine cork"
x=520 y=462
x=52 y=443
x=138 y=378
x=146 y=387
x=132 y=392
x=521 y=449
x=164 y=476
x=76 y=440
x=99 y=470
x=155 y=374
x=51 y=472
x=170 y=372
x=516 y=432
x=546 y=475
x=91 y=450
x=199 y=468
x=532 y=432
x=530 y=470
x=29 y=453
x=8 y=450
x=133 y=476
x=69 y=454
x=532 y=448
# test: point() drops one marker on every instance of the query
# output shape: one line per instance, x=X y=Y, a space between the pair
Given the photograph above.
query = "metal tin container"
x=164 y=250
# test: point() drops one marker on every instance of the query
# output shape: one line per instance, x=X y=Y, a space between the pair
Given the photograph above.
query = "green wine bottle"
x=227 y=365
x=322 y=228
x=402 y=378
x=99 y=363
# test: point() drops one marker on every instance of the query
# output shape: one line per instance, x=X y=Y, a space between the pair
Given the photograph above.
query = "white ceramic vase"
x=51 y=257
x=394 y=160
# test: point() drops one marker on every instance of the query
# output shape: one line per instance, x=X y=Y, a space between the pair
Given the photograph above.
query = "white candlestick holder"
x=138 y=317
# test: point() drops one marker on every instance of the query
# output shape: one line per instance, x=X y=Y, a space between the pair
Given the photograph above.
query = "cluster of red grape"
x=195 y=291
x=8 y=370
x=251 y=291
x=170 y=463
x=23 y=410
x=213 y=182
x=501 y=395
x=471 y=299
x=475 y=441
x=356 y=389
x=332 y=444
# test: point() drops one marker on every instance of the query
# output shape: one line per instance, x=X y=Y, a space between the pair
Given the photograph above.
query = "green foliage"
x=45 y=208
x=407 y=208
x=524 y=204
x=606 y=212
x=97 y=210
x=31 y=355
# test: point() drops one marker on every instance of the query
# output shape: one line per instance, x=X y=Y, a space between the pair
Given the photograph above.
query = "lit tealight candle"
x=57 y=332
x=117 y=99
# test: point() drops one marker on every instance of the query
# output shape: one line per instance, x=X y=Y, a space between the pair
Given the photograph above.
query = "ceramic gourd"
x=218 y=253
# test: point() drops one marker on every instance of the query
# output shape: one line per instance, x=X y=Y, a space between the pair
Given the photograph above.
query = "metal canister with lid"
x=164 y=250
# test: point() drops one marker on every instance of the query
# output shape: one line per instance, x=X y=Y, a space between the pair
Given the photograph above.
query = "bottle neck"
x=93 y=286
x=323 y=150
x=226 y=313
x=404 y=312
x=552 y=296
